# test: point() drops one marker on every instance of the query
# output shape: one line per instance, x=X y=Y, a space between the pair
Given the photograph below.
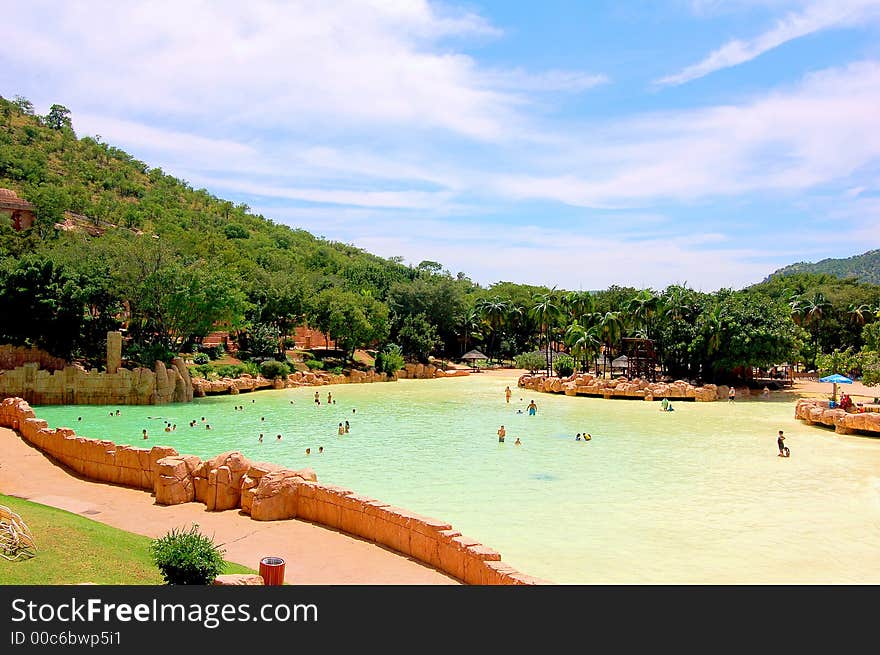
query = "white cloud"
x=817 y=16
x=291 y=66
x=825 y=129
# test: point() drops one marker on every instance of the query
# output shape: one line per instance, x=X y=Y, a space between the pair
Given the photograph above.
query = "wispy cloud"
x=824 y=129
x=816 y=16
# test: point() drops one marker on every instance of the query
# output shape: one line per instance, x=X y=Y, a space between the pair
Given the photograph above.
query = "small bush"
x=315 y=364
x=533 y=361
x=390 y=360
x=187 y=557
x=201 y=358
x=271 y=369
x=563 y=365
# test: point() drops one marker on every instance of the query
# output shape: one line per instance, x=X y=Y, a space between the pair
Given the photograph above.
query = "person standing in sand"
x=507 y=394
x=731 y=395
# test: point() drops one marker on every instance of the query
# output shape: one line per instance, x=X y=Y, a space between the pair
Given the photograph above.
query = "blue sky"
x=575 y=144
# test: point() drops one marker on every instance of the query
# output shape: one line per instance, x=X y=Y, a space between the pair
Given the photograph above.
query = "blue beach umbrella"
x=836 y=379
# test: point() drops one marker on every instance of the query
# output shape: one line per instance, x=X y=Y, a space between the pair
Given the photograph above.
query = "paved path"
x=314 y=555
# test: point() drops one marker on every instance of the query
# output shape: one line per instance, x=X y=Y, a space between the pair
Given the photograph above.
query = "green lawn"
x=72 y=549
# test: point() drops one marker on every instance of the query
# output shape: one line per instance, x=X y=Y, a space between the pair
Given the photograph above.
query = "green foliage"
x=233 y=231
x=871 y=336
x=272 y=369
x=187 y=557
x=563 y=365
x=531 y=361
x=870 y=363
x=314 y=364
x=864 y=267
x=58 y=117
x=846 y=362
x=201 y=358
x=418 y=337
x=261 y=340
x=390 y=359
x=47 y=305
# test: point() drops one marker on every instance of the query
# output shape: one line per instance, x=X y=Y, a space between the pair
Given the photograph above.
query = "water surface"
x=692 y=496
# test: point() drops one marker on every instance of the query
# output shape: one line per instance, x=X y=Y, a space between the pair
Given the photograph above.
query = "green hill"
x=864 y=267
x=168 y=263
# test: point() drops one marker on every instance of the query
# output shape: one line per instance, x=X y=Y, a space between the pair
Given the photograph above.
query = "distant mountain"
x=864 y=267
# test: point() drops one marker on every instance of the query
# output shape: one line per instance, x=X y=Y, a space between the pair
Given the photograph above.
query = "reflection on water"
x=693 y=496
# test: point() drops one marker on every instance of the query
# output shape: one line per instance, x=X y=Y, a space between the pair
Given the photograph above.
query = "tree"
x=418 y=338
x=610 y=332
x=353 y=320
x=493 y=313
x=58 y=117
x=583 y=342
x=545 y=309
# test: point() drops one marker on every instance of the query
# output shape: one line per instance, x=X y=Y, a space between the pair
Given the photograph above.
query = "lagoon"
x=697 y=495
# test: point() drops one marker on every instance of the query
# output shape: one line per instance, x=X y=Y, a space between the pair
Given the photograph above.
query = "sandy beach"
x=313 y=554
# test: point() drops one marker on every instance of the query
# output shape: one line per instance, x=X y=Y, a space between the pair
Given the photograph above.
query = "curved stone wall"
x=814 y=411
x=586 y=384
x=266 y=492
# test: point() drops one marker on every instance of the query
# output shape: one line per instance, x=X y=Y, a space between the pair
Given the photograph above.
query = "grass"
x=73 y=549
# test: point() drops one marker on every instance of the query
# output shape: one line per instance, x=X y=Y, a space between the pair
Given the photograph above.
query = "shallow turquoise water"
x=693 y=496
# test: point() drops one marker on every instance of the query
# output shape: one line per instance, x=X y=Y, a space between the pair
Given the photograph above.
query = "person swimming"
x=341 y=429
x=517 y=442
x=261 y=438
x=577 y=437
x=145 y=434
x=347 y=427
x=308 y=451
x=320 y=449
x=588 y=437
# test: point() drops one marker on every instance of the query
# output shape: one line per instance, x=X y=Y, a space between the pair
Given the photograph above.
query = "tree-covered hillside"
x=864 y=267
x=173 y=261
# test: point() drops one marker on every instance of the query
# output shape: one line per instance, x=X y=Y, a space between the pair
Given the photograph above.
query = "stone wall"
x=428 y=371
x=74 y=385
x=14 y=356
x=586 y=384
x=813 y=411
x=266 y=492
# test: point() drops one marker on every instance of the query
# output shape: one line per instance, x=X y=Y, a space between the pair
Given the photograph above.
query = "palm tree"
x=583 y=342
x=493 y=311
x=545 y=309
x=643 y=306
x=610 y=330
x=858 y=314
x=468 y=327
x=576 y=304
x=813 y=312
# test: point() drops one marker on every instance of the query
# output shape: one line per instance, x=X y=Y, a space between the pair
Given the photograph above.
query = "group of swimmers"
x=330 y=400
x=586 y=437
x=503 y=433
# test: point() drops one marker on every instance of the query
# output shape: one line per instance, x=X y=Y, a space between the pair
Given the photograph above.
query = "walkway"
x=314 y=555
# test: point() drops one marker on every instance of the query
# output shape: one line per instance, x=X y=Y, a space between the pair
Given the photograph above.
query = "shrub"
x=533 y=361
x=187 y=557
x=390 y=360
x=315 y=364
x=201 y=358
x=563 y=365
x=272 y=369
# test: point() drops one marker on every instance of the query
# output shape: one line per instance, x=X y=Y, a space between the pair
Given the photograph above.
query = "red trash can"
x=272 y=570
